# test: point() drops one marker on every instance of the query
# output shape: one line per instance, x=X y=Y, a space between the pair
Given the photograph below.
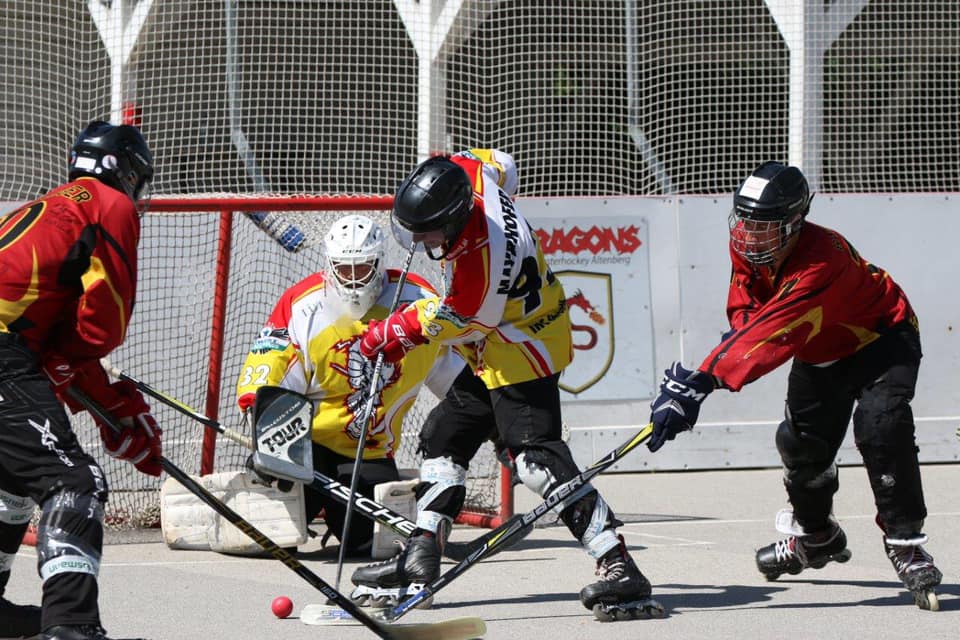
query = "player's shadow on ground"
x=694 y=597
x=947 y=594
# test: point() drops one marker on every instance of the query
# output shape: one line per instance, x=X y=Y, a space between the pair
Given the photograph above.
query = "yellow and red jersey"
x=68 y=270
x=503 y=306
x=311 y=346
x=825 y=304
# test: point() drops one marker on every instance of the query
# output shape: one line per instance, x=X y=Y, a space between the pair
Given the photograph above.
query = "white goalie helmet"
x=355 y=251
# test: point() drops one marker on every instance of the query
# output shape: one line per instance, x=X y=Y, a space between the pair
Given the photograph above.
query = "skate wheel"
x=771 y=577
x=927 y=600
x=603 y=614
x=621 y=612
x=382 y=602
x=361 y=600
x=426 y=603
x=843 y=556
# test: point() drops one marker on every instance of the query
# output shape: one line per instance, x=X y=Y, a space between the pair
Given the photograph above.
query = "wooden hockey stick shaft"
x=381 y=629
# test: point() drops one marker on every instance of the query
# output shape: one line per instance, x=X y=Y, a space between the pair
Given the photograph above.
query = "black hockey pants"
x=40 y=458
x=879 y=381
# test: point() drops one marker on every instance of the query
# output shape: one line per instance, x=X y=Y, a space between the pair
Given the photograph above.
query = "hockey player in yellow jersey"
x=505 y=311
x=310 y=344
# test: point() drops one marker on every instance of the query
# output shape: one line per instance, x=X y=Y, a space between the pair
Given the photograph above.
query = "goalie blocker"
x=282 y=421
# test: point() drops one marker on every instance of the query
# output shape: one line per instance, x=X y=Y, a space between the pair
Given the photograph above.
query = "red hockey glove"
x=395 y=336
x=86 y=375
x=138 y=441
x=245 y=402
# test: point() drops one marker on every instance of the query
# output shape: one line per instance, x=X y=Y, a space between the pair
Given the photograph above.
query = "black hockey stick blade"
x=381 y=629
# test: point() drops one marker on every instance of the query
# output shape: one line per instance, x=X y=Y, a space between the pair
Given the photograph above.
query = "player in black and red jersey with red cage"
x=801 y=291
x=69 y=269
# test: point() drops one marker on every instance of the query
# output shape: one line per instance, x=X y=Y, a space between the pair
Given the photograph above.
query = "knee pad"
x=15 y=510
x=15 y=513
x=589 y=519
x=808 y=460
x=70 y=533
x=440 y=494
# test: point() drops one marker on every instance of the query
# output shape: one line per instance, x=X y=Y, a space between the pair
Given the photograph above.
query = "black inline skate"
x=798 y=552
x=388 y=583
x=622 y=593
x=915 y=568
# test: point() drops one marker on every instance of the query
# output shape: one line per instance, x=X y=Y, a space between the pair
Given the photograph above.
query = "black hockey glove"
x=267 y=479
x=677 y=406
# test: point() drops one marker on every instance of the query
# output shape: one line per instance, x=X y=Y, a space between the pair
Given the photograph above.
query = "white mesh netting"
x=609 y=97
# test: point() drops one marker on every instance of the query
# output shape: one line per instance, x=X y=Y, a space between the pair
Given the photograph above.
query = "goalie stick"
x=456 y=629
x=372 y=509
x=520 y=525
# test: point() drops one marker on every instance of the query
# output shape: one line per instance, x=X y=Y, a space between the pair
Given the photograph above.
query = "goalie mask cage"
x=201 y=302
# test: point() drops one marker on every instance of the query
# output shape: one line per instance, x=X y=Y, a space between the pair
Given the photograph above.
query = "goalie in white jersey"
x=506 y=313
x=310 y=344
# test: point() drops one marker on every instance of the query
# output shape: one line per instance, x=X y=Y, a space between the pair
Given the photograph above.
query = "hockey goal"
x=201 y=302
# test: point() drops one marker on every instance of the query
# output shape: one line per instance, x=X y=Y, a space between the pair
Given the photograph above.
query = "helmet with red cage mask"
x=768 y=211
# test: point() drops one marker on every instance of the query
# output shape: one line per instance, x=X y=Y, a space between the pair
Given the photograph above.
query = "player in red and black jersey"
x=801 y=291
x=69 y=269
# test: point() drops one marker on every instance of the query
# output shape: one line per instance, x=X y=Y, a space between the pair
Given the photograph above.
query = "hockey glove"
x=138 y=441
x=677 y=406
x=395 y=336
x=86 y=375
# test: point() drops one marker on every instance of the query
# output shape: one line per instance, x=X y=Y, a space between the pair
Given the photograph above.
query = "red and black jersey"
x=825 y=304
x=68 y=270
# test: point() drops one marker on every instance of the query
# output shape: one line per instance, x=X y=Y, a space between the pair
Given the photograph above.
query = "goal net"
x=599 y=98
x=204 y=297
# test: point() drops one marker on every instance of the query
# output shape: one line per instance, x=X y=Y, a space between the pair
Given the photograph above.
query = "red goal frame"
x=227 y=208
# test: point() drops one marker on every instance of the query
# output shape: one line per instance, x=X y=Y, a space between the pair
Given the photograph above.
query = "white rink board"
x=913 y=237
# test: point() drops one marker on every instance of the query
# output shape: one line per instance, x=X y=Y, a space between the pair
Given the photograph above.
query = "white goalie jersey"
x=310 y=346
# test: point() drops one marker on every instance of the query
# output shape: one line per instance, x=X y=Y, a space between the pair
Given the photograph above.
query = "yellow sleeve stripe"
x=96 y=273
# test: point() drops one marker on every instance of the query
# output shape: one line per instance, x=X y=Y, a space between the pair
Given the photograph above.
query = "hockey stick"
x=372 y=509
x=447 y=630
x=368 y=414
x=561 y=497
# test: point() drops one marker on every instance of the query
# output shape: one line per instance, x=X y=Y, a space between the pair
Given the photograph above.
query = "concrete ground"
x=693 y=534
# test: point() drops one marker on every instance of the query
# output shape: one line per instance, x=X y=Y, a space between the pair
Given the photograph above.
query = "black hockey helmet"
x=436 y=199
x=768 y=209
x=117 y=156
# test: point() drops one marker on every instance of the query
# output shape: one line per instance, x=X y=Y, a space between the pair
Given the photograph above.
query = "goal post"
x=203 y=303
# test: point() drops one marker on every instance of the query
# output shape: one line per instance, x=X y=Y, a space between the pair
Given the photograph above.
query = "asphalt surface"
x=693 y=534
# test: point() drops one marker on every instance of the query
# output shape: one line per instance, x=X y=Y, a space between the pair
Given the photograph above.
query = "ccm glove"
x=395 y=336
x=138 y=441
x=677 y=406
